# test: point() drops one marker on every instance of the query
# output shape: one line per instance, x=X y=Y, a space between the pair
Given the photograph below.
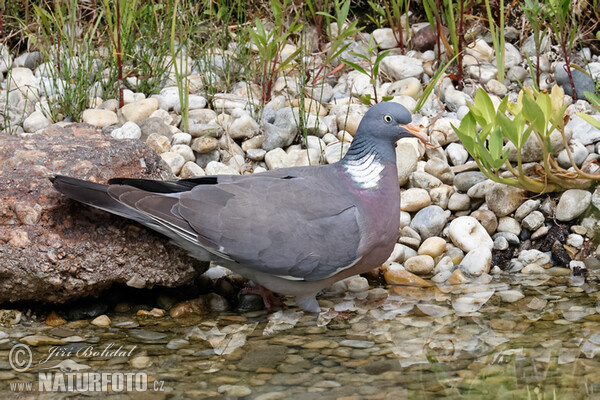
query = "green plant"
x=432 y=84
x=535 y=113
x=180 y=70
x=70 y=64
x=339 y=43
x=563 y=23
x=372 y=71
x=270 y=45
x=532 y=10
x=394 y=13
x=497 y=32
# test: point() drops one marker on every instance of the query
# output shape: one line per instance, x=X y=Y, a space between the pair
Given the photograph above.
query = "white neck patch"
x=365 y=172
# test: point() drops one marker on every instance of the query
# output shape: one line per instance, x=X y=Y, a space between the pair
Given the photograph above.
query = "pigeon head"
x=389 y=122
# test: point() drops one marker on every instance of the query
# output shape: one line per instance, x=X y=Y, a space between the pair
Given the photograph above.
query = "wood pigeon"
x=293 y=230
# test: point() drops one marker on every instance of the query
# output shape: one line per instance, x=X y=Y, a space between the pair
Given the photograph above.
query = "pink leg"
x=270 y=300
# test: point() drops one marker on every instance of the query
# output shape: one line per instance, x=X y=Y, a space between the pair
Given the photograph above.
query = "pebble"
x=414 y=199
x=487 y=219
x=101 y=321
x=100 y=118
x=508 y=224
x=406 y=161
x=533 y=221
x=533 y=269
x=510 y=296
x=243 y=127
x=500 y=243
x=503 y=199
x=468 y=234
x=140 y=362
x=139 y=110
x=459 y=202
x=53 y=319
x=572 y=204
x=433 y=246
x=526 y=208
x=218 y=168
x=457 y=278
x=36 y=121
x=575 y=240
x=129 y=130
x=477 y=261
x=457 y=154
x=42 y=340
x=160 y=144
x=175 y=161
x=358 y=284
x=400 y=67
x=420 y=265
x=234 y=390
x=429 y=221
x=403 y=277
x=204 y=144
x=466 y=180
x=534 y=257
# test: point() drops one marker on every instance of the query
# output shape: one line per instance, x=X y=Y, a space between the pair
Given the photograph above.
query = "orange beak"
x=414 y=130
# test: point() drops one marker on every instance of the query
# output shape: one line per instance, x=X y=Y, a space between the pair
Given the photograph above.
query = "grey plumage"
x=293 y=230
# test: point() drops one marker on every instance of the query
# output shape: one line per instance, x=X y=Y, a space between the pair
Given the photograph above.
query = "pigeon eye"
x=387 y=118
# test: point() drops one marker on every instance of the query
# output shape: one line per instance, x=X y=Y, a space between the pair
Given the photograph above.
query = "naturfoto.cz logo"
x=73 y=376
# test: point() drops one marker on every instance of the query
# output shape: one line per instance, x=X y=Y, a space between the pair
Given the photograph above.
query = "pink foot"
x=270 y=300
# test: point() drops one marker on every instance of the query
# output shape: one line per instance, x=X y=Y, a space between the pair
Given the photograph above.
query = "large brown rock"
x=54 y=249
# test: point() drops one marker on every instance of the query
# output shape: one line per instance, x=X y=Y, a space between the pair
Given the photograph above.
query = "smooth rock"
x=457 y=154
x=465 y=180
x=508 y=224
x=129 y=130
x=190 y=170
x=533 y=221
x=503 y=199
x=467 y=234
x=100 y=118
x=139 y=110
x=335 y=151
x=572 y=204
x=429 y=221
x=487 y=219
x=433 y=246
x=401 y=67
x=174 y=160
x=420 y=265
x=160 y=144
x=477 y=261
x=36 y=121
x=406 y=161
x=414 y=199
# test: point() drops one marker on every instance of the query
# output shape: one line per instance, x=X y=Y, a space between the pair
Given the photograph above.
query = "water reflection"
x=530 y=336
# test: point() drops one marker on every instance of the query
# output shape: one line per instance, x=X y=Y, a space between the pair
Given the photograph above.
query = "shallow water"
x=530 y=336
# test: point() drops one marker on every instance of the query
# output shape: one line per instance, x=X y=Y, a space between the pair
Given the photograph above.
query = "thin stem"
x=119 y=61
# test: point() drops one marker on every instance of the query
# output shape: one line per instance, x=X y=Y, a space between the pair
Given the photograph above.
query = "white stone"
x=186 y=152
x=401 y=67
x=457 y=154
x=414 y=199
x=335 y=151
x=510 y=296
x=420 y=264
x=477 y=261
x=467 y=234
x=385 y=38
x=406 y=161
x=572 y=204
x=357 y=284
x=181 y=138
x=575 y=240
x=35 y=121
x=190 y=170
x=24 y=80
x=508 y=224
x=218 y=168
x=163 y=115
x=100 y=118
x=480 y=50
x=139 y=110
x=274 y=158
x=534 y=257
x=302 y=158
x=579 y=153
x=174 y=160
x=243 y=127
x=129 y=130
